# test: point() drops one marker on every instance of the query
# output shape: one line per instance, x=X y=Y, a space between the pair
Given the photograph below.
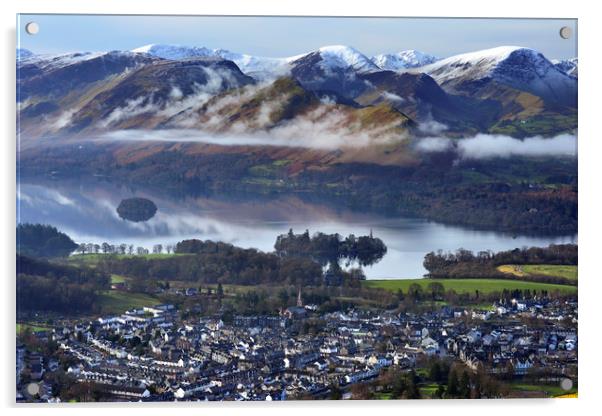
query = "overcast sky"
x=286 y=36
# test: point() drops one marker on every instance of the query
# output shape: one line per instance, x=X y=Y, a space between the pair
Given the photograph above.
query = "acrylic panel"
x=285 y=208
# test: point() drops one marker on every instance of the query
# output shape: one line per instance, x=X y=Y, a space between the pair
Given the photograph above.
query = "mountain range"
x=510 y=90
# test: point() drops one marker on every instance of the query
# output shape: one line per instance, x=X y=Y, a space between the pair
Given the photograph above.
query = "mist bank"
x=481 y=146
x=486 y=146
x=294 y=135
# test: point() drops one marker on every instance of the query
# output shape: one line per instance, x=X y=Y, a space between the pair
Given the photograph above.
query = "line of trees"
x=466 y=264
x=123 y=248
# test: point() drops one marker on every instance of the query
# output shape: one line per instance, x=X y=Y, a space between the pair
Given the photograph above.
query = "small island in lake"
x=136 y=209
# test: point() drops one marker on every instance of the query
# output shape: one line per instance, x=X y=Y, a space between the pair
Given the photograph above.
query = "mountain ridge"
x=495 y=90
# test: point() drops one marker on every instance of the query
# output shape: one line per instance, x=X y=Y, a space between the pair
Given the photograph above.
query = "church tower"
x=299 y=300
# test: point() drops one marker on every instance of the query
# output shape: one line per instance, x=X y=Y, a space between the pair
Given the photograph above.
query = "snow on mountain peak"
x=174 y=52
x=479 y=63
x=54 y=61
x=259 y=67
x=518 y=67
x=568 y=66
x=403 y=60
x=24 y=54
x=341 y=56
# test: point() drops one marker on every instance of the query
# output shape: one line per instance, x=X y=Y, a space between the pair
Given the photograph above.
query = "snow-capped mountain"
x=62 y=60
x=403 y=60
x=54 y=76
x=335 y=68
x=343 y=57
x=568 y=66
x=331 y=58
x=23 y=54
x=517 y=67
x=174 y=52
x=143 y=87
x=257 y=66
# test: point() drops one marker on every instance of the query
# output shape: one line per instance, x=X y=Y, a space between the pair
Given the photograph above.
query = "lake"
x=86 y=212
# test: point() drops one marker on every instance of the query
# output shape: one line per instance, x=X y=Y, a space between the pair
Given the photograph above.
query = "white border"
x=590 y=161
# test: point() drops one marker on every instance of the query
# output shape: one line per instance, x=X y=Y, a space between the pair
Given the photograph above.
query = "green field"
x=568 y=272
x=117 y=278
x=33 y=327
x=468 y=285
x=427 y=390
x=92 y=258
x=113 y=301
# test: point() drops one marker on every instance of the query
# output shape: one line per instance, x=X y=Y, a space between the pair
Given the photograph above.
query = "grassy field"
x=113 y=301
x=468 y=285
x=92 y=258
x=427 y=390
x=117 y=278
x=34 y=328
x=568 y=272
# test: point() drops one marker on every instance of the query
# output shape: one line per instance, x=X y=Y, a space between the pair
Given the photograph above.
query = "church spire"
x=299 y=300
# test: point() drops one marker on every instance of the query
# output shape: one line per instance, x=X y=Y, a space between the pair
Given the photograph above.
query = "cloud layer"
x=486 y=146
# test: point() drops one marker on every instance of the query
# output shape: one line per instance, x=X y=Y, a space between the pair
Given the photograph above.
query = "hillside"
x=508 y=90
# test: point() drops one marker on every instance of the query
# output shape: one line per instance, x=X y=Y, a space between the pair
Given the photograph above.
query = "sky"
x=286 y=36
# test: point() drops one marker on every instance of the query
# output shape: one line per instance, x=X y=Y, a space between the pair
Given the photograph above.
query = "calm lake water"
x=86 y=212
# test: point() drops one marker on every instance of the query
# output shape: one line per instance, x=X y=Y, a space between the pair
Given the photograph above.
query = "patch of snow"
x=24 y=54
x=54 y=61
x=568 y=66
x=403 y=60
x=342 y=57
x=174 y=52
x=515 y=66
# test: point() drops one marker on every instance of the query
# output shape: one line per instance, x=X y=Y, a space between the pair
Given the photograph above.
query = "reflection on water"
x=87 y=213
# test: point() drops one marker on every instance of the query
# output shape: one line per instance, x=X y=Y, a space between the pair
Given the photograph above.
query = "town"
x=154 y=354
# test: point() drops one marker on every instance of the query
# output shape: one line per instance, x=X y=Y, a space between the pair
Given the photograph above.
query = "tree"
x=220 y=292
x=361 y=391
x=82 y=248
x=464 y=385
x=412 y=391
x=43 y=241
x=437 y=290
x=335 y=392
x=157 y=249
x=415 y=291
x=435 y=370
x=453 y=387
